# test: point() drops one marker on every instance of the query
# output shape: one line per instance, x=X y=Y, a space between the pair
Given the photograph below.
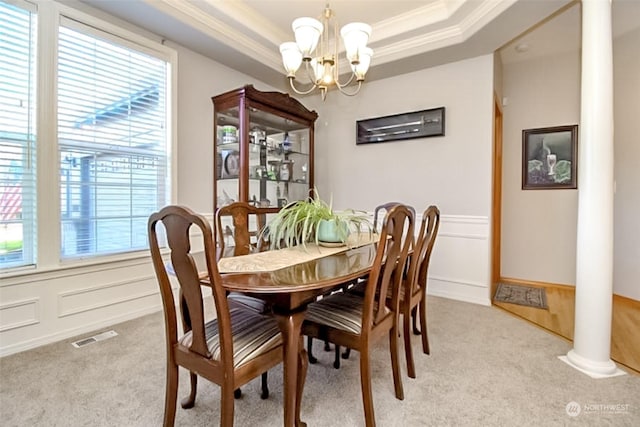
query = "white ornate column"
x=594 y=257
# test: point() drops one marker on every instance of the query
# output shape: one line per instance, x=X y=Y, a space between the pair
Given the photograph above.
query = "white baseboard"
x=459 y=291
x=72 y=332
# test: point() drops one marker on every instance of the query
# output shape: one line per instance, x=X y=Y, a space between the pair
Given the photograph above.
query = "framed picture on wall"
x=416 y=124
x=550 y=158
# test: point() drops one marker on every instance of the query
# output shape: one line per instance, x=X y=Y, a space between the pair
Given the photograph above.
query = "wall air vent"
x=90 y=340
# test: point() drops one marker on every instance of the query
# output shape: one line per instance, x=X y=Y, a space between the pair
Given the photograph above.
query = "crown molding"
x=430 y=14
x=457 y=32
x=486 y=12
x=241 y=13
x=234 y=24
x=419 y=44
x=213 y=27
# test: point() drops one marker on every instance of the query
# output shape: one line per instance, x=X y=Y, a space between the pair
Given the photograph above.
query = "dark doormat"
x=529 y=296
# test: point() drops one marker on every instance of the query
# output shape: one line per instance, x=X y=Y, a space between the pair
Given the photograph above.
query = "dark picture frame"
x=417 y=124
x=550 y=158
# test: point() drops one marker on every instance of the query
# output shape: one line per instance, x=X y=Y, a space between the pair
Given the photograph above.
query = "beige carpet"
x=486 y=368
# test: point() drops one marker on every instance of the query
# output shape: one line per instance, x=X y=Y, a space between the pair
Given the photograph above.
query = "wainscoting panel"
x=19 y=314
x=51 y=306
x=461 y=259
x=96 y=297
x=38 y=308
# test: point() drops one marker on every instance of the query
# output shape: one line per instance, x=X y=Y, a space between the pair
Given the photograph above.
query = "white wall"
x=200 y=79
x=626 y=251
x=453 y=172
x=539 y=226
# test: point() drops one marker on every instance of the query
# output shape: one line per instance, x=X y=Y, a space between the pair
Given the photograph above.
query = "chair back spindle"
x=418 y=269
x=243 y=217
x=385 y=207
x=391 y=256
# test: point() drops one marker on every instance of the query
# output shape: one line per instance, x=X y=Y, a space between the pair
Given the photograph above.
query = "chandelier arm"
x=348 y=82
x=301 y=92
x=344 y=92
x=310 y=73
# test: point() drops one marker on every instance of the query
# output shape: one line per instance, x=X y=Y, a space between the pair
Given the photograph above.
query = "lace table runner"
x=277 y=259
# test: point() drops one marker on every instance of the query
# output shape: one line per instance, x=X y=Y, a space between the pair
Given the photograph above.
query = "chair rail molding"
x=44 y=307
x=461 y=259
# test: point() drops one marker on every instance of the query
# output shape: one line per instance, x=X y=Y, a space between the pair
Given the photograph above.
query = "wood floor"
x=625 y=327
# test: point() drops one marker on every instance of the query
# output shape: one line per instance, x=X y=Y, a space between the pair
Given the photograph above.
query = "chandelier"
x=317 y=46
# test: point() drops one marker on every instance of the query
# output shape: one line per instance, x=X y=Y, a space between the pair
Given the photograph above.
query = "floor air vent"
x=100 y=337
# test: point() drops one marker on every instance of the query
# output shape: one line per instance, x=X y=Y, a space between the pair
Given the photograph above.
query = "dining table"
x=289 y=280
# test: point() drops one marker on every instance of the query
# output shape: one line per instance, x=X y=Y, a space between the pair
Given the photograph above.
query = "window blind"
x=113 y=142
x=17 y=135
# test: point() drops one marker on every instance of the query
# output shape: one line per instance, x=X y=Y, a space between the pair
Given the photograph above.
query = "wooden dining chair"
x=246 y=223
x=413 y=292
x=357 y=321
x=345 y=355
x=385 y=207
x=243 y=223
x=230 y=350
x=359 y=287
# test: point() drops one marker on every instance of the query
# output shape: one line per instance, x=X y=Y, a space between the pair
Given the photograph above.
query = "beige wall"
x=539 y=226
x=199 y=79
x=453 y=171
x=626 y=251
x=498 y=69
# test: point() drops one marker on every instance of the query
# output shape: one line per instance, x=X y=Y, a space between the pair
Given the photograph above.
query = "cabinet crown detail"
x=278 y=100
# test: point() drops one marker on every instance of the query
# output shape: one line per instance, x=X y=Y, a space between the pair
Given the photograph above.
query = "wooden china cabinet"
x=264 y=148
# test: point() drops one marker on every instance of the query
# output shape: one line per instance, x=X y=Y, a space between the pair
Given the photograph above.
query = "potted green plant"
x=313 y=220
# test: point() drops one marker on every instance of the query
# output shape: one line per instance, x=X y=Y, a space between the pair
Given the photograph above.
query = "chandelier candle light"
x=320 y=54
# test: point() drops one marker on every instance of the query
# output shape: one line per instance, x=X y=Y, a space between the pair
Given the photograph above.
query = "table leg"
x=303 y=363
x=294 y=367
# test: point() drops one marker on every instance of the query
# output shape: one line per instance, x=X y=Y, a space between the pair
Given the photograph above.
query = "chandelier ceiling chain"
x=317 y=45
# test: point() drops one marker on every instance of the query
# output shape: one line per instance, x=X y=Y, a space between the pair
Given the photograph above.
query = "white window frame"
x=28 y=192
x=50 y=14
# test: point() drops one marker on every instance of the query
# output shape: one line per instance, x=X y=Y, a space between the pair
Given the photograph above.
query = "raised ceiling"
x=561 y=33
x=407 y=35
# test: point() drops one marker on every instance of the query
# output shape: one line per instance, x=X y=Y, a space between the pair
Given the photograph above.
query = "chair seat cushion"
x=340 y=311
x=248 y=302
x=253 y=335
x=361 y=287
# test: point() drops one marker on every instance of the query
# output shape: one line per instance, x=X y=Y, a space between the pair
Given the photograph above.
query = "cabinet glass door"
x=278 y=159
x=227 y=157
